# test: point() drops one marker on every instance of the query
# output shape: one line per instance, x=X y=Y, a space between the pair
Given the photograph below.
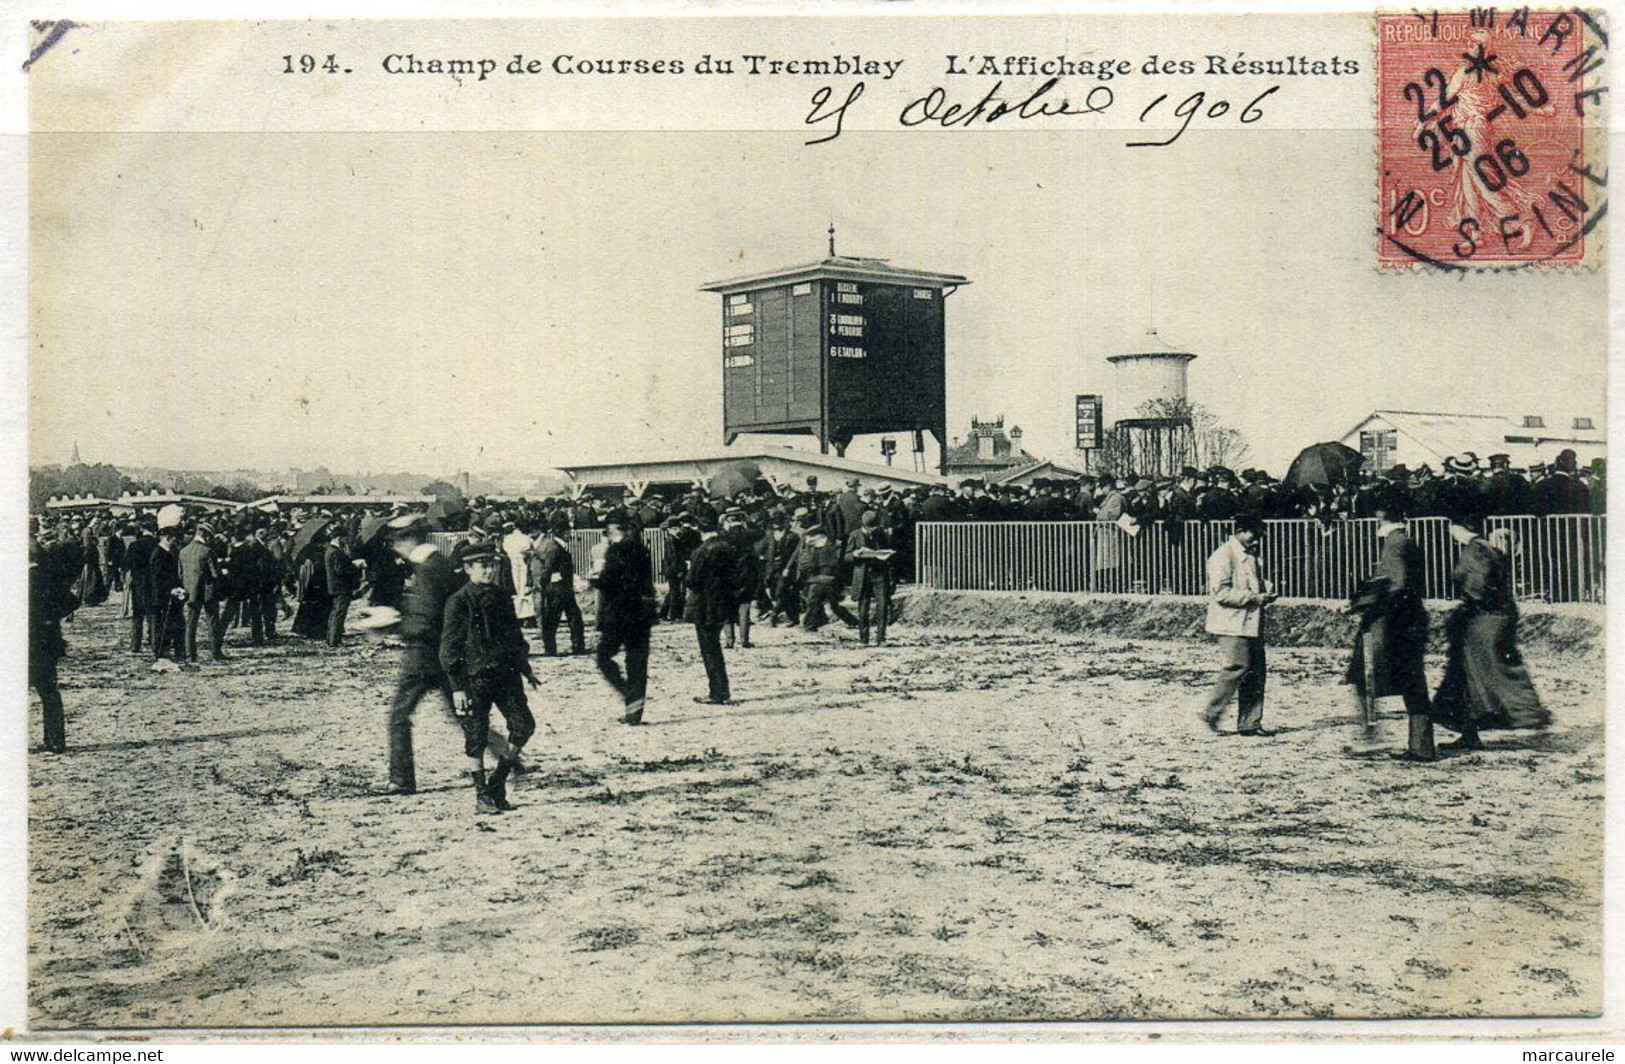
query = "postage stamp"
x=1482 y=120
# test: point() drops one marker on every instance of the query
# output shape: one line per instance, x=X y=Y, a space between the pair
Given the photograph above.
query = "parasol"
x=372 y=527
x=1323 y=464
x=447 y=506
x=306 y=535
x=734 y=478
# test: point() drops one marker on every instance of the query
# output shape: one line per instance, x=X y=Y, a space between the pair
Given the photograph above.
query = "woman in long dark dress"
x=1485 y=683
x=310 y=619
x=90 y=588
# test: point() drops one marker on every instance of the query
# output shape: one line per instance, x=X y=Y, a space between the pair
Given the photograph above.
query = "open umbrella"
x=446 y=507
x=372 y=527
x=306 y=535
x=1323 y=464
x=734 y=478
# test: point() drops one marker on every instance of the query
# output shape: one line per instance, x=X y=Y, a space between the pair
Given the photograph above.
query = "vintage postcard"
x=866 y=514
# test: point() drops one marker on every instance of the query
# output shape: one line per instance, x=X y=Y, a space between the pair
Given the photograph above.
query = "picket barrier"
x=1554 y=559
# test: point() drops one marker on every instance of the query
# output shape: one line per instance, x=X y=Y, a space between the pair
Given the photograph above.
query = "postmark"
x=1490 y=132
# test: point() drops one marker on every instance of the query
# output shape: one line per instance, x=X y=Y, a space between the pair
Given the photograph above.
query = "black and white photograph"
x=872 y=517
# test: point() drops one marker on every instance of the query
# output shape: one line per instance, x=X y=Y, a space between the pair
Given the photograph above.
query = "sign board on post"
x=1088 y=438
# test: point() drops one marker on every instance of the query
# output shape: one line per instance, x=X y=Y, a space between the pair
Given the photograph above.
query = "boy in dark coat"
x=49 y=600
x=626 y=612
x=555 y=573
x=485 y=656
x=713 y=581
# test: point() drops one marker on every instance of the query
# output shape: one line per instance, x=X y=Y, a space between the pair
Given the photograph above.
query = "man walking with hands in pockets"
x=1237 y=595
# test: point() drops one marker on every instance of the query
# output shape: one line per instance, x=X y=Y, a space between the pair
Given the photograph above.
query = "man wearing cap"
x=776 y=551
x=818 y=567
x=1181 y=506
x=239 y=575
x=266 y=586
x=485 y=657
x=1508 y=491
x=166 y=598
x=846 y=511
x=200 y=579
x=49 y=601
x=138 y=583
x=748 y=575
x=1237 y=597
x=556 y=592
x=681 y=539
x=713 y=581
x=423 y=611
x=867 y=554
x=626 y=612
x=342 y=582
x=1115 y=504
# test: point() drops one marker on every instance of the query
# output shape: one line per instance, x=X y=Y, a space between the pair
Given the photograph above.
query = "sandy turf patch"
x=967 y=825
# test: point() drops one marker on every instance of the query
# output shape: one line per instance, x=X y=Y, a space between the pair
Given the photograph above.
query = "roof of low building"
x=1447 y=434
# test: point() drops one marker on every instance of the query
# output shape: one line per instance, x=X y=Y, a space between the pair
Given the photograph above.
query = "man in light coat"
x=200 y=577
x=1237 y=596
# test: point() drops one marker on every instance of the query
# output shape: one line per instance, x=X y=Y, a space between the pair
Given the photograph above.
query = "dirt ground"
x=964 y=825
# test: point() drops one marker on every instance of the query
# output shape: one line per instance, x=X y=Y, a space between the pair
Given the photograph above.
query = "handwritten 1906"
x=830 y=110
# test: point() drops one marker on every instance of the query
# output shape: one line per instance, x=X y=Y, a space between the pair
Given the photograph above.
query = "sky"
x=447 y=301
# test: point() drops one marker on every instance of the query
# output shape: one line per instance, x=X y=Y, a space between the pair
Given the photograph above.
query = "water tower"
x=1151 y=431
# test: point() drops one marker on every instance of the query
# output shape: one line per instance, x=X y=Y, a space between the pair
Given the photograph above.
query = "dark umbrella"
x=372 y=526
x=446 y=507
x=734 y=478
x=306 y=535
x=1323 y=464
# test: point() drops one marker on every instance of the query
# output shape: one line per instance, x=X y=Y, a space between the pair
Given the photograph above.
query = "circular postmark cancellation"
x=1490 y=138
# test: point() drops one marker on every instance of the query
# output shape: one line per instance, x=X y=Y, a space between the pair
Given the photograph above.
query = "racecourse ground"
x=970 y=824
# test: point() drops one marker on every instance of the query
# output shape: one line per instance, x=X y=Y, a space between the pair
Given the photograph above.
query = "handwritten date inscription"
x=938 y=109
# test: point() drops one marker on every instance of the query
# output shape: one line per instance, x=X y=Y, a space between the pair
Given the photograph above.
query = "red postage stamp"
x=1484 y=120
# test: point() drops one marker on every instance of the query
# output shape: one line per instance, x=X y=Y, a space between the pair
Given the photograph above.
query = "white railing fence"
x=1554 y=559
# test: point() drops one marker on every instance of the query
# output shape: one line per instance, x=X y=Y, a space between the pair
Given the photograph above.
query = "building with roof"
x=988 y=451
x=1415 y=438
x=780 y=466
x=1037 y=472
x=318 y=501
x=836 y=348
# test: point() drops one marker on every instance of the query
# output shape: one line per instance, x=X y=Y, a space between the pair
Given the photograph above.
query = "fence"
x=1554 y=559
x=583 y=542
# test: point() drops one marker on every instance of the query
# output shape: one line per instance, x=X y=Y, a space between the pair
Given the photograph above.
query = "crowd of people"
x=461 y=614
x=763 y=555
